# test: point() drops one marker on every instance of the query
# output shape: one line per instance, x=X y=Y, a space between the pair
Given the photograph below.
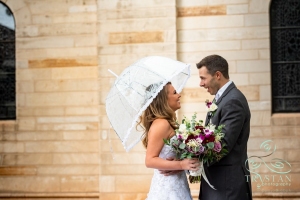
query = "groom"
x=229 y=176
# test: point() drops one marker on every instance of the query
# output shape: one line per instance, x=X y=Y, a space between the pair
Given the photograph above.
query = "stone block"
x=69 y=170
x=45 y=42
x=240 y=79
x=80 y=135
x=10 y=127
x=136 y=37
x=265 y=92
x=112 y=146
x=8 y=159
x=85 y=41
x=74 y=73
x=71 y=119
x=27 y=31
x=21 y=100
x=63 y=62
x=126 y=170
x=257 y=6
x=215 y=34
x=22 y=15
x=49 y=111
x=264 y=54
x=210 y=22
x=8 y=136
x=289 y=119
x=61 y=99
x=62 y=147
x=123 y=158
x=152 y=48
x=225 y=2
x=251 y=92
x=260 y=118
x=34 y=159
x=246 y=66
x=25 y=87
x=82 y=110
x=260 y=131
x=75 y=159
x=138 y=13
x=33 y=74
x=79 y=184
x=26 y=124
x=25 y=136
x=259 y=105
x=116 y=4
x=190 y=3
x=107 y=184
x=132 y=183
x=208 y=46
x=38 y=7
x=261 y=78
x=15 y=5
x=83 y=9
x=201 y=11
x=237 y=9
x=257 y=19
x=9 y=171
x=139 y=25
x=30 y=184
x=256 y=44
x=67 y=127
x=228 y=55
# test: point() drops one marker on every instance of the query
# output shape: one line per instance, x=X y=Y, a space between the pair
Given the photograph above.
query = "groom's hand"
x=169 y=172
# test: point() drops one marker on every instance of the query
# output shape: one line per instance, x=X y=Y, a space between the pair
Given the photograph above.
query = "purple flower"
x=217 y=146
x=202 y=137
x=179 y=137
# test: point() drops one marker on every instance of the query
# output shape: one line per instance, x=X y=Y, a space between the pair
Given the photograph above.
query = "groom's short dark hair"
x=214 y=63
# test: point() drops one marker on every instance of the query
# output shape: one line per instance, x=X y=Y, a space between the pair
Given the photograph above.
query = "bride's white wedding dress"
x=173 y=187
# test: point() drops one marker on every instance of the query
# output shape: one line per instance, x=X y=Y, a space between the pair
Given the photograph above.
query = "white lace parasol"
x=128 y=97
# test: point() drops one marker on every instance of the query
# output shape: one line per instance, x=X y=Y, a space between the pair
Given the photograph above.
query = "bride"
x=159 y=123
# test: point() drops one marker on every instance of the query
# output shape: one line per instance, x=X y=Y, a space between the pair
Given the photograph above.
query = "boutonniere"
x=211 y=107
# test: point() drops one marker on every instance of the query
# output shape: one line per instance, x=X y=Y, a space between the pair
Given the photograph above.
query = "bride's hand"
x=190 y=164
x=169 y=172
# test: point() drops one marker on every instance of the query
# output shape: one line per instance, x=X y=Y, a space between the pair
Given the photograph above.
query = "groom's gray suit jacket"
x=230 y=176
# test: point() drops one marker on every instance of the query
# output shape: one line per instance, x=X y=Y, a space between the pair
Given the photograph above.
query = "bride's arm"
x=159 y=130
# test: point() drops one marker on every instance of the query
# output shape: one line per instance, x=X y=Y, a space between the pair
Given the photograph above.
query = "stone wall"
x=53 y=146
x=61 y=144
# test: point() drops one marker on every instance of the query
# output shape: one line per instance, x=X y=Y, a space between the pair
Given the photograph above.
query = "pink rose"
x=217 y=147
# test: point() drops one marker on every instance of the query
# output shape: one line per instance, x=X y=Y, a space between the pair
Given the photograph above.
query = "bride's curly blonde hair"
x=158 y=109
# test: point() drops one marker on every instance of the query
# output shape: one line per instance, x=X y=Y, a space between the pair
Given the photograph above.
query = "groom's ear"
x=219 y=75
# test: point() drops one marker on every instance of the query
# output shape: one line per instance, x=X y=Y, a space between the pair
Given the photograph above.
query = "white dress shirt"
x=221 y=90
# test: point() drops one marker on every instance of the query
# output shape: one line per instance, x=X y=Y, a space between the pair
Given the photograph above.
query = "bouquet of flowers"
x=193 y=140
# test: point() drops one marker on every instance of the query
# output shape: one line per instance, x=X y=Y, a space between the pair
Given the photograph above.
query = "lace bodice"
x=174 y=187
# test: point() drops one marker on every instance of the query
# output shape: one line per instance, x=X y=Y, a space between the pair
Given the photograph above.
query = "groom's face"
x=208 y=81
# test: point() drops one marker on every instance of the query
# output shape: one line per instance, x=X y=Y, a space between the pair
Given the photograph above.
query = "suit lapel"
x=230 y=87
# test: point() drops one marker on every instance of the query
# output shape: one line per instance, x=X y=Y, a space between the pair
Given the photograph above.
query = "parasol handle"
x=113 y=73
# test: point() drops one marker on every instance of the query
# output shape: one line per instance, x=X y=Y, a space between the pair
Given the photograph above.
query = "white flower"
x=182 y=128
x=194 y=143
x=212 y=107
x=211 y=127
